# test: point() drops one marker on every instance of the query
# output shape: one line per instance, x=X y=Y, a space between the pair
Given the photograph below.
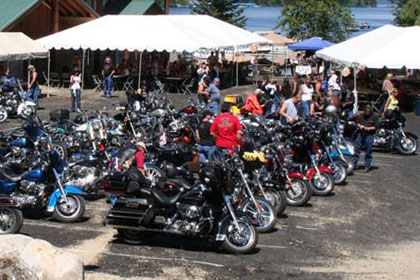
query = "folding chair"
x=65 y=78
x=128 y=84
x=97 y=83
x=188 y=86
x=55 y=79
x=379 y=103
x=161 y=86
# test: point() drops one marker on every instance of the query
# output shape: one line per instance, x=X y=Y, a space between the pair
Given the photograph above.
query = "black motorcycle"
x=11 y=218
x=204 y=210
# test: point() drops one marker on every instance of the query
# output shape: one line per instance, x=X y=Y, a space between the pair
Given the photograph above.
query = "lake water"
x=265 y=18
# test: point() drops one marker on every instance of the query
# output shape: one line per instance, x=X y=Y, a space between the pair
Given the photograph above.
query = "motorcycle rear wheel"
x=70 y=213
x=323 y=185
x=132 y=237
x=407 y=146
x=242 y=242
x=267 y=218
x=11 y=220
x=298 y=193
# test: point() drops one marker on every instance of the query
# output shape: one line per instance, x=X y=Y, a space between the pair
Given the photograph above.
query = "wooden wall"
x=36 y=24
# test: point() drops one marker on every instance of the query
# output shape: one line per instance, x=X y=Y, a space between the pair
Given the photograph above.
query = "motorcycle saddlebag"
x=115 y=183
x=131 y=212
x=59 y=115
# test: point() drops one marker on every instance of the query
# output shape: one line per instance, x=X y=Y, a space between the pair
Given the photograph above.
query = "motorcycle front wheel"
x=350 y=164
x=27 y=111
x=240 y=241
x=407 y=145
x=340 y=172
x=3 y=114
x=69 y=212
x=298 y=192
x=266 y=217
x=323 y=184
x=11 y=220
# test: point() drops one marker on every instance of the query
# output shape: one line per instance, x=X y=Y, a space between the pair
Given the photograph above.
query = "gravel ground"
x=368 y=229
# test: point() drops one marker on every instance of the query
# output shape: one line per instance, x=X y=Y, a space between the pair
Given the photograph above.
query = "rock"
x=38 y=259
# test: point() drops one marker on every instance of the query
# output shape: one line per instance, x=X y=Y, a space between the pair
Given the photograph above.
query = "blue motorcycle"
x=41 y=186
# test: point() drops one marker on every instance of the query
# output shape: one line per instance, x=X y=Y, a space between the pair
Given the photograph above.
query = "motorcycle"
x=15 y=103
x=41 y=187
x=205 y=209
x=11 y=217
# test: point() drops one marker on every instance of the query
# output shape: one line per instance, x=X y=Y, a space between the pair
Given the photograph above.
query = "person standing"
x=75 y=91
x=252 y=105
x=205 y=141
x=214 y=96
x=108 y=72
x=33 y=86
x=289 y=110
x=226 y=130
x=306 y=92
x=203 y=91
x=392 y=107
x=203 y=71
x=366 y=127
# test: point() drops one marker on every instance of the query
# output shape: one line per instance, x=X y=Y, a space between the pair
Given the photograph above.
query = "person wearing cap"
x=136 y=174
x=33 y=86
x=252 y=105
x=366 y=127
x=226 y=129
x=205 y=141
x=214 y=96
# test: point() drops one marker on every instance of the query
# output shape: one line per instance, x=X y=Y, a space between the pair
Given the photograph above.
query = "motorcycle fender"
x=241 y=216
x=23 y=105
x=297 y=176
x=52 y=201
x=325 y=169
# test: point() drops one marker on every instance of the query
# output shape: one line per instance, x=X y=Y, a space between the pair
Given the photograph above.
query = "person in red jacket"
x=226 y=129
x=252 y=105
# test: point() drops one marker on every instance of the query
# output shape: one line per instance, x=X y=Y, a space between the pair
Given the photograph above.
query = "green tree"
x=407 y=13
x=225 y=10
x=304 y=19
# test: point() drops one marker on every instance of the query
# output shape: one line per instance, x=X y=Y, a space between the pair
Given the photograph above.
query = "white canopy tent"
x=152 y=33
x=18 y=46
x=389 y=46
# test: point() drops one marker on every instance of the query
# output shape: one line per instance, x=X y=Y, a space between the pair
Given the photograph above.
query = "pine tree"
x=225 y=10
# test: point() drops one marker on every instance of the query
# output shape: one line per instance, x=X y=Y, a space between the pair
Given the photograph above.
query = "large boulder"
x=28 y=258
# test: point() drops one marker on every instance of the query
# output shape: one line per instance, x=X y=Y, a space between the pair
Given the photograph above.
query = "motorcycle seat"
x=181 y=182
x=12 y=133
x=10 y=174
x=165 y=200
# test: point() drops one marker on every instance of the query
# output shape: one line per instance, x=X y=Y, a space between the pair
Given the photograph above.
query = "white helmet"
x=331 y=110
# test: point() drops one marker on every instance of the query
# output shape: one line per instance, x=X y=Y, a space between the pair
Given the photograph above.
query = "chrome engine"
x=29 y=193
x=383 y=138
x=83 y=176
x=194 y=219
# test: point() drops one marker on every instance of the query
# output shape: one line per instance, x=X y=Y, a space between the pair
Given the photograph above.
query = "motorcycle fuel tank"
x=20 y=142
x=34 y=175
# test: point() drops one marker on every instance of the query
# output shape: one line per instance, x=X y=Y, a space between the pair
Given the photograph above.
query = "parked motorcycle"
x=11 y=218
x=15 y=103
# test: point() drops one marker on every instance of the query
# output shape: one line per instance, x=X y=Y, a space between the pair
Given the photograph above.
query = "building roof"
x=12 y=10
x=130 y=7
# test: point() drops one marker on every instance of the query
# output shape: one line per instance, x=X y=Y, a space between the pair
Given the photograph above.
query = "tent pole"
x=140 y=64
x=285 y=62
x=237 y=69
x=355 y=93
x=83 y=67
x=48 y=74
x=8 y=65
x=29 y=74
x=272 y=58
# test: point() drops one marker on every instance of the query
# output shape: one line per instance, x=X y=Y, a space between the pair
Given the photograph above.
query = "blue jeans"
x=336 y=93
x=206 y=152
x=305 y=107
x=214 y=107
x=108 y=85
x=75 y=99
x=33 y=94
x=367 y=140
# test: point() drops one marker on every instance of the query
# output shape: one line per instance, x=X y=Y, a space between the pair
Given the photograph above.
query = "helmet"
x=331 y=110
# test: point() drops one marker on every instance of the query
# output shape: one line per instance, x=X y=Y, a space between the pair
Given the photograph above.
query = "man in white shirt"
x=333 y=82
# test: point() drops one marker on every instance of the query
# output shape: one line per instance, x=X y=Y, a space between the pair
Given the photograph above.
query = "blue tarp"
x=312 y=44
